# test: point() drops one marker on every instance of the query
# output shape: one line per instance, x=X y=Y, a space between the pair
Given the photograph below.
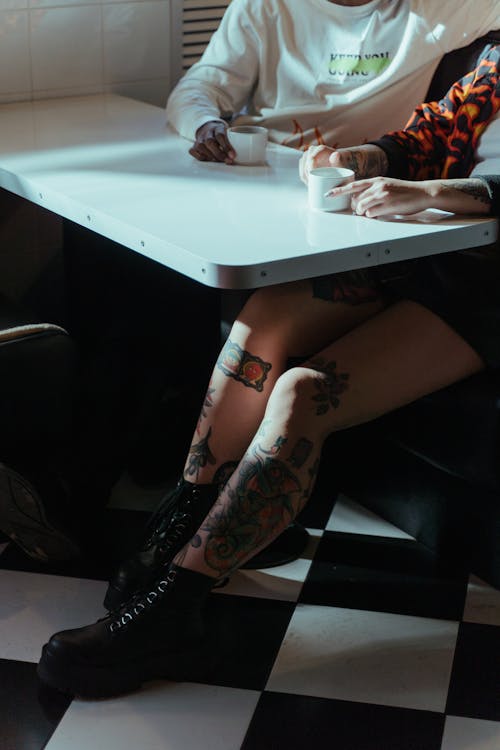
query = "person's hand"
x=365 y=161
x=346 y=158
x=314 y=157
x=384 y=196
x=212 y=144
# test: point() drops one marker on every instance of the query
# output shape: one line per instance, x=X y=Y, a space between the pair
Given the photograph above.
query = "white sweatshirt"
x=315 y=72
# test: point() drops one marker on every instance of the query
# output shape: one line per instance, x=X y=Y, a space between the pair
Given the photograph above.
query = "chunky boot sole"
x=23 y=519
x=90 y=681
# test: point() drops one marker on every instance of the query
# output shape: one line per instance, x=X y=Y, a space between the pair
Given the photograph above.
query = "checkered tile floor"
x=366 y=643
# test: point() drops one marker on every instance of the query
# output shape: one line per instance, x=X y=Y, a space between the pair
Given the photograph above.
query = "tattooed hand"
x=365 y=161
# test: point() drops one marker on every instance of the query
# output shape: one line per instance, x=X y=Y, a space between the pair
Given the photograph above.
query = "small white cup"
x=249 y=142
x=323 y=179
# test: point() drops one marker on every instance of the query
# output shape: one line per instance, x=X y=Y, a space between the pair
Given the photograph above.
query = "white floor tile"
x=372 y=657
x=470 y=734
x=482 y=603
x=282 y=582
x=351 y=518
x=164 y=716
x=34 y=606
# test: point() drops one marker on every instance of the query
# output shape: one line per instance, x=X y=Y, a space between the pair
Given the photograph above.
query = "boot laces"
x=140 y=603
x=170 y=528
x=176 y=531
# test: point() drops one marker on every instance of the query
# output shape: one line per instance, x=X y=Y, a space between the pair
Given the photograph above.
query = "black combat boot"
x=158 y=634
x=170 y=528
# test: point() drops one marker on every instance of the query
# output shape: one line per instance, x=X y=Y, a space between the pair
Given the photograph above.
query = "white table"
x=111 y=164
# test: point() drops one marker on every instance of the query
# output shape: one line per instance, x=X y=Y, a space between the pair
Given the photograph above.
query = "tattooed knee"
x=311 y=391
x=292 y=390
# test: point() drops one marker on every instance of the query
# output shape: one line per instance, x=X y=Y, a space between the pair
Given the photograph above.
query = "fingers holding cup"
x=313 y=158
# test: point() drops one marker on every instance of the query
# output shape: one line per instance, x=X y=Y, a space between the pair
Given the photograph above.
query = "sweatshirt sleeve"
x=220 y=84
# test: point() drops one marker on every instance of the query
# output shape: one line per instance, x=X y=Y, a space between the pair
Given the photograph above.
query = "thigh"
x=306 y=315
x=395 y=357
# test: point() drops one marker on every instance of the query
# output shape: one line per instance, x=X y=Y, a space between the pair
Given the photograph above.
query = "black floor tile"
x=385 y=575
x=316 y=513
x=293 y=722
x=245 y=635
x=475 y=679
x=29 y=713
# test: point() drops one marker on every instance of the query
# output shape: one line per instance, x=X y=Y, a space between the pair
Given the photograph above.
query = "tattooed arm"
x=383 y=196
x=365 y=161
x=461 y=196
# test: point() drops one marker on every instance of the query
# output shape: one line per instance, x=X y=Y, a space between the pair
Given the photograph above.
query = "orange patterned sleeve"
x=440 y=139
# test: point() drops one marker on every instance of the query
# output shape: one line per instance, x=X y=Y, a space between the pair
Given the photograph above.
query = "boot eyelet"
x=152 y=594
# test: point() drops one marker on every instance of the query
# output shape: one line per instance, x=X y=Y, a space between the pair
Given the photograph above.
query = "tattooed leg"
x=239 y=364
x=224 y=474
x=266 y=492
x=289 y=320
x=199 y=456
x=394 y=358
x=234 y=404
x=276 y=475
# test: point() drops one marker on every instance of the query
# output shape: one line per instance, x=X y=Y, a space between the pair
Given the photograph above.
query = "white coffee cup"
x=323 y=179
x=249 y=142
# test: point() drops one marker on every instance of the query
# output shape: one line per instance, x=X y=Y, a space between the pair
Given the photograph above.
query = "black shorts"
x=462 y=288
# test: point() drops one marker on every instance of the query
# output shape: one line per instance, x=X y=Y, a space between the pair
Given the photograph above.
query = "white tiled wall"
x=69 y=47
x=51 y=48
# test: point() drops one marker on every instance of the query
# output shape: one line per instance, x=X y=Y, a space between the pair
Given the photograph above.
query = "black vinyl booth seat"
x=433 y=468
